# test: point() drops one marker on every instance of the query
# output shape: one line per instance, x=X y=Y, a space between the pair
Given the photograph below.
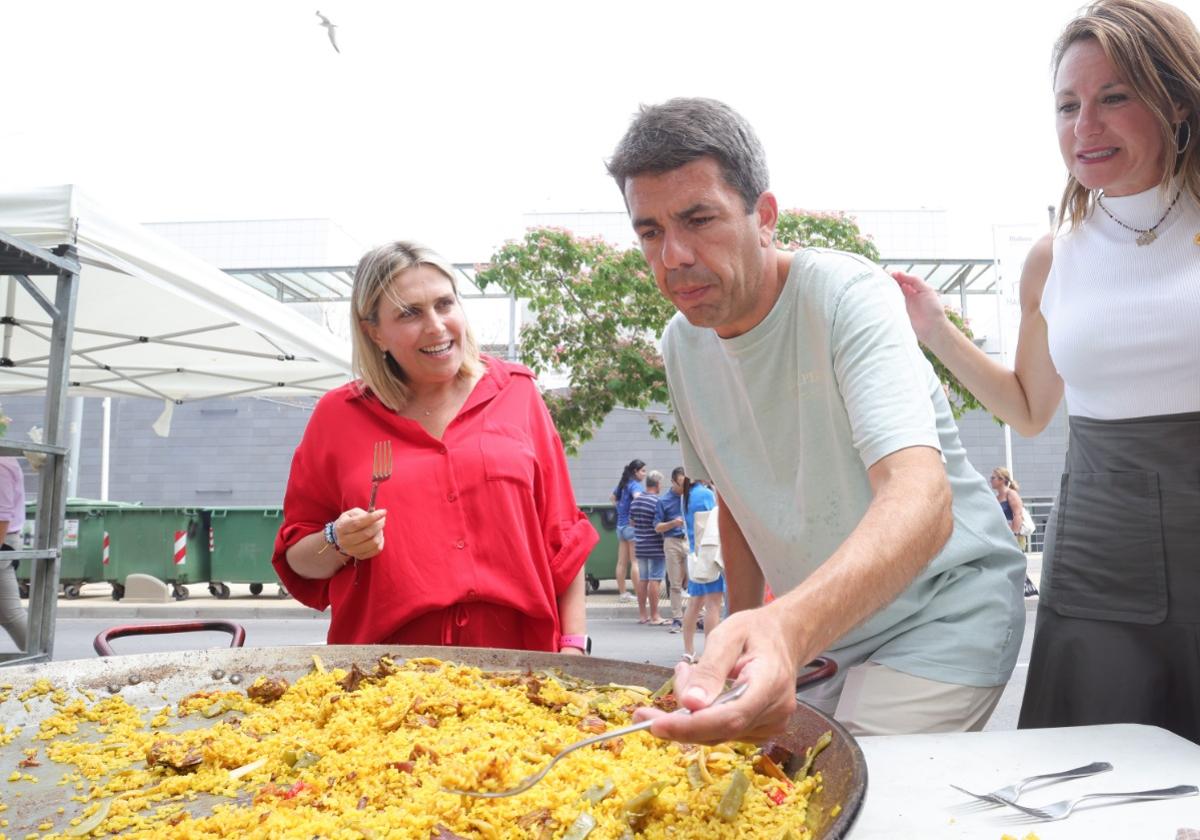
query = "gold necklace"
x=1145 y=235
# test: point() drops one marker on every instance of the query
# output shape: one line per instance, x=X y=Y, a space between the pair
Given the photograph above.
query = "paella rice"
x=369 y=754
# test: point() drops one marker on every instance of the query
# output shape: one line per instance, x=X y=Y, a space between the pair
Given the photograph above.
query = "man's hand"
x=359 y=533
x=753 y=646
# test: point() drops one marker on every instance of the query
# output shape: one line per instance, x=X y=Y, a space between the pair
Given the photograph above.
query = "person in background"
x=648 y=545
x=476 y=540
x=799 y=389
x=702 y=597
x=1006 y=489
x=12 y=516
x=669 y=522
x=628 y=488
x=1109 y=307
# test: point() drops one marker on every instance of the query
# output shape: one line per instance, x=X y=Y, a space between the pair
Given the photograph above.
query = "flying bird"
x=331 y=28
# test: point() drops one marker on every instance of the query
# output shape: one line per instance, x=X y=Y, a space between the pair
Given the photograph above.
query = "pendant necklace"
x=1145 y=235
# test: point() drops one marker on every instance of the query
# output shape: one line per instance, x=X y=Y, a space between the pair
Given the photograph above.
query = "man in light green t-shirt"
x=800 y=391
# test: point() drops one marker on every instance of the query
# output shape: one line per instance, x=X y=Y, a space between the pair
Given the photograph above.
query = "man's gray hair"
x=654 y=479
x=667 y=136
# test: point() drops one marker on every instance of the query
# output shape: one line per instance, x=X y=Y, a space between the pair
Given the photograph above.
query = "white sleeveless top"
x=1124 y=319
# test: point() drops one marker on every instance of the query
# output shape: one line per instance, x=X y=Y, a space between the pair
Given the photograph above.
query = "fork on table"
x=1062 y=810
x=1006 y=795
x=529 y=781
x=381 y=467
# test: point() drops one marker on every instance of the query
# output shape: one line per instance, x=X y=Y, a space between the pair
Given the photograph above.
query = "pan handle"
x=823 y=667
x=102 y=646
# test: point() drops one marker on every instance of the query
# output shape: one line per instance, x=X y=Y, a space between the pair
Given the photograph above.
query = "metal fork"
x=1062 y=810
x=1006 y=795
x=381 y=467
x=529 y=781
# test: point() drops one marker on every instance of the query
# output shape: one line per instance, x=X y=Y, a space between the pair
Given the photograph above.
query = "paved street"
x=270 y=622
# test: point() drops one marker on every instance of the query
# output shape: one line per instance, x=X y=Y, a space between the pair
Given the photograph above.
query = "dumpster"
x=602 y=562
x=83 y=554
x=243 y=540
x=172 y=544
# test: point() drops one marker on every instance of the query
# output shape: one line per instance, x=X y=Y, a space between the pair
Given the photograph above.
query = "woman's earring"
x=1186 y=135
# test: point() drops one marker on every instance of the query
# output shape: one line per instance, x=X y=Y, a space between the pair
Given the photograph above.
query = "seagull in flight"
x=331 y=27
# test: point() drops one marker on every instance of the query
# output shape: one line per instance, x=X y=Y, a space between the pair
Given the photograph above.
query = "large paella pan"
x=43 y=799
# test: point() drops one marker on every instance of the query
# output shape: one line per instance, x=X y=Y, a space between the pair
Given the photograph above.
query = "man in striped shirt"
x=648 y=548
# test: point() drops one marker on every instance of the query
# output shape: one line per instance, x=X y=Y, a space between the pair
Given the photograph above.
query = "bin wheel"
x=118 y=591
x=217 y=590
x=283 y=593
x=71 y=590
x=256 y=589
x=593 y=583
x=24 y=587
x=179 y=592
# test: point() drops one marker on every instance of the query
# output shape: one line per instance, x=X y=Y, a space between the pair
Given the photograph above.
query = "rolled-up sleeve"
x=568 y=534
x=305 y=511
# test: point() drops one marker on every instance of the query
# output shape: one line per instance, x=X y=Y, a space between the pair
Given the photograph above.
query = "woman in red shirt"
x=476 y=539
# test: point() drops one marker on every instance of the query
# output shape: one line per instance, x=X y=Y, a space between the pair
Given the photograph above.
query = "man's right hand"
x=751 y=646
x=359 y=533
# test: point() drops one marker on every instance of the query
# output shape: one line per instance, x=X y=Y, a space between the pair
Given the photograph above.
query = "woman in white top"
x=1110 y=314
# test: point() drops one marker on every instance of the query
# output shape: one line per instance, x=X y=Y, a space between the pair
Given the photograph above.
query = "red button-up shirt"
x=480 y=523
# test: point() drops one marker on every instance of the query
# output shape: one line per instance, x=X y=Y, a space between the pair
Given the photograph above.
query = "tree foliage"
x=599 y=316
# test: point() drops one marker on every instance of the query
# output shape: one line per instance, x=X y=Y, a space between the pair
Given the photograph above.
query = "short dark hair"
x=667 y=136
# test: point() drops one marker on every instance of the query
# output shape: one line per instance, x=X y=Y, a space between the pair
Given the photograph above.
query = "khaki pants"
x=676 y=549
x=878 y=700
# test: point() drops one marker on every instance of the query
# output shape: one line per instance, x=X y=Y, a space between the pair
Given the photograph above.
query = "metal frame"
x=964 y=277
x=20 y=261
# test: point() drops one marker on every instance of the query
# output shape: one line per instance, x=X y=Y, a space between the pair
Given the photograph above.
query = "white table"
x=909 y=776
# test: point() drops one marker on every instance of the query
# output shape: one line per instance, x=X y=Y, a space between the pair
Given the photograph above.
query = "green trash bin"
x=172 y=544
x=83 y=552
x=243 y=540
x=602 y=562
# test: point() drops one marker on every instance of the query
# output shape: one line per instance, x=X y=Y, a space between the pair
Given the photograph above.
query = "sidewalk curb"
x=251 y=609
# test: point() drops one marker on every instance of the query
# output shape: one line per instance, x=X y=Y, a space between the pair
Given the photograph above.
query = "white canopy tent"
x=151 y=319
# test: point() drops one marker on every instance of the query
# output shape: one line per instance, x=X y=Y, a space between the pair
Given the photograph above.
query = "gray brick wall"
x=1037 y=461
x=238 y=452
x=219 y=452
x=624 y=435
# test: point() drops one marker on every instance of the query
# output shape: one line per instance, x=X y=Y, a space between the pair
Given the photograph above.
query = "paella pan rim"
x=842 y=765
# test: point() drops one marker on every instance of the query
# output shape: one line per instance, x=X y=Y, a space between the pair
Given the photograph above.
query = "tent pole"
x=75 y=430
x=105 y=435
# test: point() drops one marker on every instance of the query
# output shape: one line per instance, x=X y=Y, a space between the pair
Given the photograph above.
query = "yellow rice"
x=370 y=761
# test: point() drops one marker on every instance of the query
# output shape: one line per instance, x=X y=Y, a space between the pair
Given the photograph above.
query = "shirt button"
x=442 y=451
x=461 y=544
x=450 y=497
x=470 y=593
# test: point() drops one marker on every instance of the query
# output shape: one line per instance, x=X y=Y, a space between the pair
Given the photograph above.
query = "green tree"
x=599 y=316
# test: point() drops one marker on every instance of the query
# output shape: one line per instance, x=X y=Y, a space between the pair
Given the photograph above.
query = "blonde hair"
x=1004 y=475
x=373 y=279
x=1156 y=49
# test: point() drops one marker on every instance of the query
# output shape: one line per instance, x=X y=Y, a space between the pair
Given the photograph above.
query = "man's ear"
x=767 y=211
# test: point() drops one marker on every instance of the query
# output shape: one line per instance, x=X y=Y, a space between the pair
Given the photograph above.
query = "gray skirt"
x=1117 y=638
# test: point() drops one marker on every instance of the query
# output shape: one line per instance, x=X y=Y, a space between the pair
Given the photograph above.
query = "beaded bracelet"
x=331 y=540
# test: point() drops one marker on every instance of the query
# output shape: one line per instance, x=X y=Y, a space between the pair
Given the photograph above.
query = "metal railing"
x=1039 y=508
